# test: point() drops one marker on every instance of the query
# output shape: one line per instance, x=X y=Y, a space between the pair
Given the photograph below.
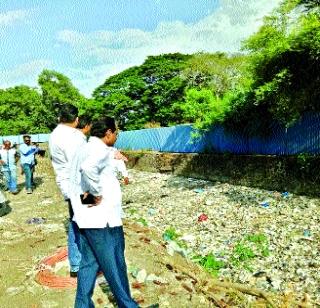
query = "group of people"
x=86 y=175
x=9 y=157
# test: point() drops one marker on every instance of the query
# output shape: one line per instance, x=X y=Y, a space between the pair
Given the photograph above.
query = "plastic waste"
x=264 y=204
x=202 y=217
x=306 y=233
x=36 y=220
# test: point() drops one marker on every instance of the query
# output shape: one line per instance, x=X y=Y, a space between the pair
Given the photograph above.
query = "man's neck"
x=73 y=125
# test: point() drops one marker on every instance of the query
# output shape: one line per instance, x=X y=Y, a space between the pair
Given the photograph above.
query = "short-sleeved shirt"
x=9 y=158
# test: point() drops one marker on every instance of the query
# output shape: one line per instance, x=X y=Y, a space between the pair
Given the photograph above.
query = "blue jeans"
x=74 y=254
x=28 y=173
x=103 y=249
x=11 y=179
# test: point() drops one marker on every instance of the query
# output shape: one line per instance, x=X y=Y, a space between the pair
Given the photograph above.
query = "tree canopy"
x=275 y=79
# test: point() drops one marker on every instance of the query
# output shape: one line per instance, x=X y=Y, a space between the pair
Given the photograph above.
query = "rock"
x=141 y=276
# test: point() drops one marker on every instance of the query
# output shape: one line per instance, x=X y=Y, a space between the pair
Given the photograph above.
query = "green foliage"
x=144 y=94
x=250 y=247
x=284 y=63
x=172 y=89
x=21 y=111
x=27 y=110
x=203 y=108
x=142 y=221
x=310 y=4
x=308 y=166
x=218 y=72
x=210 y=263
x=57 y=89
x=170 y=234
x=276 y=81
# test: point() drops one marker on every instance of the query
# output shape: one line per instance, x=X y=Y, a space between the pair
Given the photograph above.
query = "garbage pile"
x=265 y=239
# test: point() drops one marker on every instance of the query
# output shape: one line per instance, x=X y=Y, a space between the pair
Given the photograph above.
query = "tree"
x=284 y=62
x=145 y=94
x=20 y=111
x=57 y=89
x=218 y=72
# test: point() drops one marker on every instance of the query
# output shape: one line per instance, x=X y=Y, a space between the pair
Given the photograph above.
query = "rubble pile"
x=266 y=239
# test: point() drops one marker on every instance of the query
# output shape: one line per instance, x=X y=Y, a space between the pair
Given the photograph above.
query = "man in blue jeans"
x=102 y=241
x=8 y=163
x=64 y=142
x=27 y=161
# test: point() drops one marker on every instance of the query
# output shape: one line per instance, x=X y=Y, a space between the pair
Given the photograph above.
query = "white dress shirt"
x=98 y=178
x=64 y=142
x=119 y=166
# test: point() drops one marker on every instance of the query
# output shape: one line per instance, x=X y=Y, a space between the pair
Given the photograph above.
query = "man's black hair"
x=68 y=113
x=84 y=120
x=26 y=137
x=101 y=125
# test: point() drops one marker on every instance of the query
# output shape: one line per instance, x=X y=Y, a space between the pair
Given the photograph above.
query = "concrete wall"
x=268 y=172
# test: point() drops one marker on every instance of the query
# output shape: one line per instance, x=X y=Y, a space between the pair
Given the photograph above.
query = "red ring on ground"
x=46 y=277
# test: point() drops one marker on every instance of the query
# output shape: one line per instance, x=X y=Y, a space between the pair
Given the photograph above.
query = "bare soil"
x=177 y=283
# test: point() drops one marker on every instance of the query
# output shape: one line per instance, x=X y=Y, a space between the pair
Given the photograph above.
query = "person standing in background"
x=8 y=161
x=27 y=154
x=64 y=142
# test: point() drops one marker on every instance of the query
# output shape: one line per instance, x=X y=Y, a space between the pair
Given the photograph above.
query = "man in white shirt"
x=101 y=233
x=8 y=164
x=64 y=142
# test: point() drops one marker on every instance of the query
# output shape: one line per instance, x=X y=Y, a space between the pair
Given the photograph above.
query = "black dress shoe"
x=74 y=274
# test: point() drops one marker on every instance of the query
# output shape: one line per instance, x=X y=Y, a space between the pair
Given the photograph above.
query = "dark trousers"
x=103 y=249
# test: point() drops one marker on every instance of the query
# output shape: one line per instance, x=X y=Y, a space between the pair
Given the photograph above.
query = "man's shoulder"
x=80 y=136
x=62 y=134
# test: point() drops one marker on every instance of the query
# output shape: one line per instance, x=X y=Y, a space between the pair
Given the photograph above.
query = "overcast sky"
x=89 y=40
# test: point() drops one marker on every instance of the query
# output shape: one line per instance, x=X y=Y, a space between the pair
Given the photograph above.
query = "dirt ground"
x=172 y=281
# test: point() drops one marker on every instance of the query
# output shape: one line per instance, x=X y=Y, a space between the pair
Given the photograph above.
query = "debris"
x=36 y=221
x=286 y=220
x=202 y=217
x=141 y=276
x=264 y=203
x=306 y=233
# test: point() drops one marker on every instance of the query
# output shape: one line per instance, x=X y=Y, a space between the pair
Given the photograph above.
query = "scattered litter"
x=141 y=276
x=15 y=290
x=36 y=221
x=289 y=224
x=152 y=212
x=306 y=233
x=173 y=247
x=137 y=285
x=46 y=201
x=188 y=238
x=198 y=190
x=202 y=217
x=264 y=203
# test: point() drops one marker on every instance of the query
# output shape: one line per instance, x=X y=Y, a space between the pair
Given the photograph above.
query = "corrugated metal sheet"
x=303 y=137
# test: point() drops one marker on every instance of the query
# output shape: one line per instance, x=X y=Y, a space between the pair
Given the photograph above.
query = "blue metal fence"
x=303 y=137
